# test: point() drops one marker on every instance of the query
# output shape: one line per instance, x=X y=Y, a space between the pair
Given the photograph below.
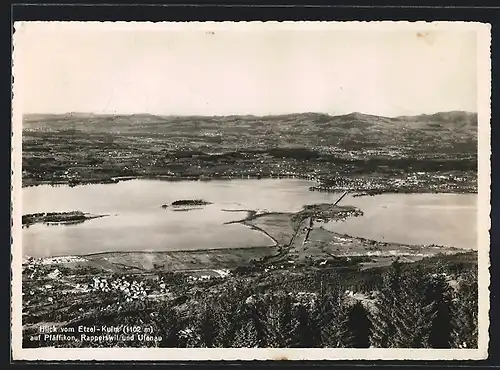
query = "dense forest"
x=411 y=307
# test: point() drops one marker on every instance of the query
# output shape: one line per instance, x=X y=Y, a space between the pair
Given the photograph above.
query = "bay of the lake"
x=137 y=222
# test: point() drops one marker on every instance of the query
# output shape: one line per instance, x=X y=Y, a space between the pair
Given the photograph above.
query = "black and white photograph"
x=250 y=190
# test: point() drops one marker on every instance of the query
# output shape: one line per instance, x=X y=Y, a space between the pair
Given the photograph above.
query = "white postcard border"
x=233 y=354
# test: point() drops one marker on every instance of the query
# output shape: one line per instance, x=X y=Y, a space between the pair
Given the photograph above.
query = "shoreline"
x=95 y=254
x=282 y=249
x=282 y=234
x=360 y=191
x=171 y=178
x=108 y=254
x=58 y=218
x=394 y=244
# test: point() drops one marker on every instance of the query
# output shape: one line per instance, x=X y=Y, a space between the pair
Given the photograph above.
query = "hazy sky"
x=247 y=71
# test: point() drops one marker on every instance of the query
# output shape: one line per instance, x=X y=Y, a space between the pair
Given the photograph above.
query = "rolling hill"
x=88 y=146
x=460 y=126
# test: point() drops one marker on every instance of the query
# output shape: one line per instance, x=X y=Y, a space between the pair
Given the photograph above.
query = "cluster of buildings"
x=418 y=181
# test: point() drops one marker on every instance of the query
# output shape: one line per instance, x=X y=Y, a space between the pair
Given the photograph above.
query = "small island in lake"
x=188 y=202
x=57 y=217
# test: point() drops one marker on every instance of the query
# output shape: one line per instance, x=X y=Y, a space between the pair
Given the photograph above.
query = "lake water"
x=138 y=223
x=442 y=219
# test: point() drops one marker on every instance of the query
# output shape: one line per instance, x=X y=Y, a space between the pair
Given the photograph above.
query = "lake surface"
x=137 y=222
x=442 y=219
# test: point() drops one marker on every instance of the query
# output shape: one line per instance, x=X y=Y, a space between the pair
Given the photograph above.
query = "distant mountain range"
x=461 y=117
x=302 y=129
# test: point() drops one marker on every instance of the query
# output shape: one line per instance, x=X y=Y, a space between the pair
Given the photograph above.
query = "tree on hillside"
x=278 y=320
x=331 y=315
x=228 y=314
x=266 y=320
x=465 y=312
x=246 y=336
x=206 y=326
x=251 y=328
x=412 y=315
x=217 y=318
x=358 y=328
x=306 y=332
x=402 y=318
x=383 y=325
x=168 y=325
x=438 y=294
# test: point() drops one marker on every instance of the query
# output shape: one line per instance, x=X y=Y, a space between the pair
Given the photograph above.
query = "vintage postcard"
x=250 y=190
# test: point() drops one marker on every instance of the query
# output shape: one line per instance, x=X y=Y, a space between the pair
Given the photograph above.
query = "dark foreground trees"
x=465 y=311
x=412 y=310
x=411 y=307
